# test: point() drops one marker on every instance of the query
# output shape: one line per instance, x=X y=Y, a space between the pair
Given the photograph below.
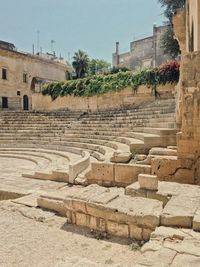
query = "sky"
x=93 y=26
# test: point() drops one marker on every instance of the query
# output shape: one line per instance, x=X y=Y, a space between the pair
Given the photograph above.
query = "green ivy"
x=101 y=84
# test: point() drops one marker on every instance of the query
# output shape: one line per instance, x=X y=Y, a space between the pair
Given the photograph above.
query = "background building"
x=146 y=52
x=22 y=74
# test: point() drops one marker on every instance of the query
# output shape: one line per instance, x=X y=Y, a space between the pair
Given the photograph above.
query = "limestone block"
x=101 y=171
x=68 y=204
x=146 y=233
x=118 y=229
x=51 y=204
x=125 y=174
x=149 y=182
x=128 y=174
x=134 y=190
x=180 y=211
x=79 y=206
x=184 y=176
x=137 y=211
x=98 y=224
x=101 y=211
x=82 y=219
x=71 y=217
x=164 y=168
x=155 y=195
x=135 y=232
x=196 y=221
x=86 y=193
x=121 y=157
x=162 y=151
x=107 y=196
x=140 y=157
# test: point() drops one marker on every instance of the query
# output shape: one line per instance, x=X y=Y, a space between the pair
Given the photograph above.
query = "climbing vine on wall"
x=100 y=84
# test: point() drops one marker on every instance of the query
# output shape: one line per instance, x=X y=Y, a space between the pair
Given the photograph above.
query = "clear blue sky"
x=91 y=25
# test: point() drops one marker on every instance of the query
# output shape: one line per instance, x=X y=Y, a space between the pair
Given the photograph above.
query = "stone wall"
x=188 y=94
x=188 y=140
x=113 y=100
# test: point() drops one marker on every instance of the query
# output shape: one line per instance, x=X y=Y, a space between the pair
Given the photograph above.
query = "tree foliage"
x=170 y=7
x=169 y=43
x=98 y=66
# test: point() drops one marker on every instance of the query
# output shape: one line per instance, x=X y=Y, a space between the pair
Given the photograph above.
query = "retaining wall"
x=112 y=100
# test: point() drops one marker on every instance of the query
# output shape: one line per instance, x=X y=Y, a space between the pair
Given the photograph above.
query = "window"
x=4 y=74
x=18 y=93
x=25 y=77
x=4 y=102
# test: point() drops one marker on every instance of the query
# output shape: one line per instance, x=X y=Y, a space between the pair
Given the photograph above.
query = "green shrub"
x=101 y=84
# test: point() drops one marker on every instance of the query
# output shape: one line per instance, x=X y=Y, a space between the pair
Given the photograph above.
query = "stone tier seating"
x=49 y=164
x=111 y=137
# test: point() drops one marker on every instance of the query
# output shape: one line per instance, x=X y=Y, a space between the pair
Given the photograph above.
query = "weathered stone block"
x=135 y=191
x=102 y=172
x=196 y=221
x=79 y=206
x=117 y=229
x=127 y=174
x=52 y=204
x=98 y=224
x=121 y=157
x=135 y=232
x=98 y=210
x=82 y=219
x=146 y=234
x=149 y=182
x=179 y=211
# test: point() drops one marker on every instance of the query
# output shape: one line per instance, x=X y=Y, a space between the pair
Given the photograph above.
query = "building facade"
x=22 y=74
x=146 y=52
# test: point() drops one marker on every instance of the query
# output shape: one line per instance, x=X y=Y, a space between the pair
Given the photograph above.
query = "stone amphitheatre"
x=124 y=174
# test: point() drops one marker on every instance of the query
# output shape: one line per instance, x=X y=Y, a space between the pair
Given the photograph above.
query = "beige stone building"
x=146 y=52
x=22 y=74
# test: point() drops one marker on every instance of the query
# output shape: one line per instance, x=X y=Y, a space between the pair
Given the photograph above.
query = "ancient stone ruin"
x=131 y=172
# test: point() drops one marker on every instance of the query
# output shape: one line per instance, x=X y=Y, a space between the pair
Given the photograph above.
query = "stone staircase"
x=111 y=137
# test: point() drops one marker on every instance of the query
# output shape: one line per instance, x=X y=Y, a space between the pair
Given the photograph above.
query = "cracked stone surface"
x=36 y=238
x=171 y=247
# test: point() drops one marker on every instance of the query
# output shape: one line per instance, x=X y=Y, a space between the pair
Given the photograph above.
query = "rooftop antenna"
x=52 y=42
x=33 y=49
x=38 y=40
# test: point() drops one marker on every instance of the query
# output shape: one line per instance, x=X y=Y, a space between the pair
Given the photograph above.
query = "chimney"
x=117 y=53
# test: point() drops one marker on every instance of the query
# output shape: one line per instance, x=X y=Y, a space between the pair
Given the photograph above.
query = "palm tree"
x=80 y=63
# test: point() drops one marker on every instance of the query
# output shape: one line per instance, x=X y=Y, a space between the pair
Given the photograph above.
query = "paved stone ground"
x=35 y=238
